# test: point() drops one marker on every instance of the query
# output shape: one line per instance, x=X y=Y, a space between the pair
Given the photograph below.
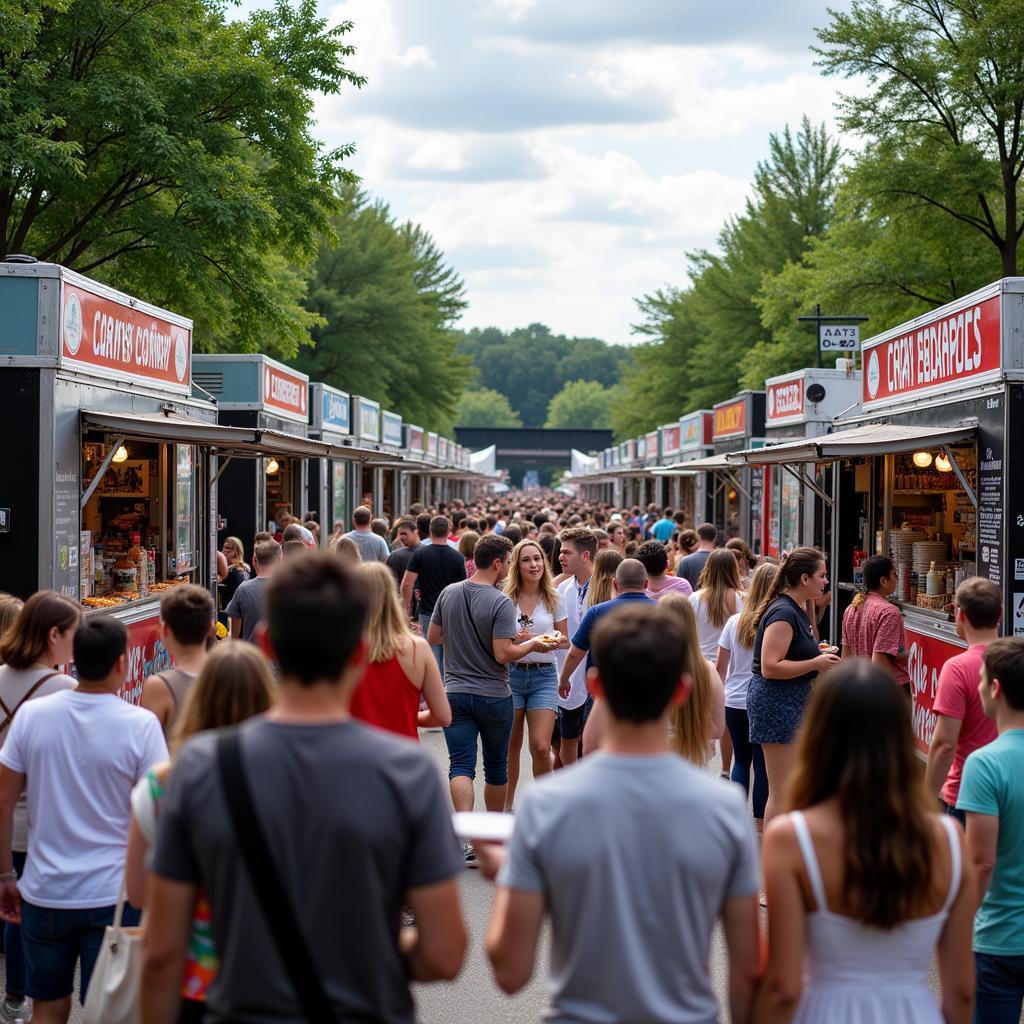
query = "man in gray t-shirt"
x=476 y=624
x=245 y=610
x=372 y=547
x=633 y=852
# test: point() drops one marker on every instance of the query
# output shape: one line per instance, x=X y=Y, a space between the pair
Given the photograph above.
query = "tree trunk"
x=1009 y=247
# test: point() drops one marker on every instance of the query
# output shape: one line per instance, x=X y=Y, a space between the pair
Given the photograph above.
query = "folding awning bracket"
x=800 y=474
x=948 y=452
x=735 y=483
x=224 y=461
x=102 y=472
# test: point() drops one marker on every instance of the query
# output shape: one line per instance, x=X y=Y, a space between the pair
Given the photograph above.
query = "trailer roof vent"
x=19 y=257
x=211 y=381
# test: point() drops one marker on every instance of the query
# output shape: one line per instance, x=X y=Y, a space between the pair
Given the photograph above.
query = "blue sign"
x=336 y=412
x=391 y=423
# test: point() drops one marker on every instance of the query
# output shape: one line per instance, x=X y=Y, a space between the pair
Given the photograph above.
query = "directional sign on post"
x=838 y=338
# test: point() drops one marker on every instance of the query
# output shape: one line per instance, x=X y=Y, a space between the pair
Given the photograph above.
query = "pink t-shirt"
x=876 y=627
x=957 y=697
x=673 y=585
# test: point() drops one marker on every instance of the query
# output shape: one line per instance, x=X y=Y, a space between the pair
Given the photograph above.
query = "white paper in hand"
x=488 y=826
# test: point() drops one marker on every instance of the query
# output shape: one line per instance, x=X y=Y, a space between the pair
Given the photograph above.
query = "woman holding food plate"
x=534 y=679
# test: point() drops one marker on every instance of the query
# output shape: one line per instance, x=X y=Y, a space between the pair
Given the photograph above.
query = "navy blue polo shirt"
x=581 y=638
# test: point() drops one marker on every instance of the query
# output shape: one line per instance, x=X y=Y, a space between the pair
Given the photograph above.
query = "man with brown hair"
x=962 y=726
x=372 y=547
x=246 y=607
x=186 y=620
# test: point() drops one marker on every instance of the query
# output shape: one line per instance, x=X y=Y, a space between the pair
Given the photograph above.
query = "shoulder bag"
x=116 y=984
x=266 y=883
x=28 y=696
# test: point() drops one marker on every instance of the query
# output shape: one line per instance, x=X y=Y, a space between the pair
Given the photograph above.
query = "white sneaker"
x=16 y=1013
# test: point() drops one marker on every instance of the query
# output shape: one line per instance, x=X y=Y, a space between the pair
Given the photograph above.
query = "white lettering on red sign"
x=925 y=657
x=953 y=348
x=785 y=399
x=283 y=392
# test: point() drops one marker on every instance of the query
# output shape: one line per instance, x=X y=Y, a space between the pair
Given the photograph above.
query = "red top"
x=876 y=627
x=387 y=698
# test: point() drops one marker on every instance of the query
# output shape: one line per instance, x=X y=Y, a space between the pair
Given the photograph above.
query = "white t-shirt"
x=574 y=600
x=741 y=665
x=82 y=753
x=708 y=634
x=15 y=683
x=539 y=623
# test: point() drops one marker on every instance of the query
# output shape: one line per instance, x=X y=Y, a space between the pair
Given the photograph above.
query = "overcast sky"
x=566 y=154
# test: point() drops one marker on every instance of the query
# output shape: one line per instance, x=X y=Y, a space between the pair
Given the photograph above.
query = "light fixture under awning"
x=871 y=439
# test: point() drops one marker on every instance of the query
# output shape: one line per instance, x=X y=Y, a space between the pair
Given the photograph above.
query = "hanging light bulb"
x=942 y=464
x=121 y=455
x=272 y=467
x=922 y=459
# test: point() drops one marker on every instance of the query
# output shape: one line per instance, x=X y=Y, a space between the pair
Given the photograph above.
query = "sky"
x=566 y=154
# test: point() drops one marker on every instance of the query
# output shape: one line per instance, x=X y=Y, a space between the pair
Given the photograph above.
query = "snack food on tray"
x=826 y=648
x=552 y=638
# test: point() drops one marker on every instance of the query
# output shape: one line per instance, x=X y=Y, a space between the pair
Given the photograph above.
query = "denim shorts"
x=54 y=939
x=534 y=686
x=490 y=719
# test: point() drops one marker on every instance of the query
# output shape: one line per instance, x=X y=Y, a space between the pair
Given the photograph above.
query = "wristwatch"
x=9 y=876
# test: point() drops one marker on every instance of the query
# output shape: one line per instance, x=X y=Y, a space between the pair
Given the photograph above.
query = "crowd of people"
x=269 y=808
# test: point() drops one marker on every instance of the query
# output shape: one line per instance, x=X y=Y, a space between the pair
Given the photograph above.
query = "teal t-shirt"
x=991 y=784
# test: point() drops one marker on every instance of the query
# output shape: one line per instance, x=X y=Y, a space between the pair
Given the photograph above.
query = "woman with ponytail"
x=786 y=661
x=872 y=627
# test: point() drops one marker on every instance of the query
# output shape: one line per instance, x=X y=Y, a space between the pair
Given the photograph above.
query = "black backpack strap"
x=488 y=648
x=266 y=882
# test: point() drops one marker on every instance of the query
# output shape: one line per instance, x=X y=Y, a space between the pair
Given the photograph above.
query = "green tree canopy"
x=944 y=112
x=387 y=303
x=485 y=407
x=161 y=147
x=581 y=404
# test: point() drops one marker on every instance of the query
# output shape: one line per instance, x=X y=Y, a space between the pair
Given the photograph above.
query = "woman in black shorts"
x=786 y=661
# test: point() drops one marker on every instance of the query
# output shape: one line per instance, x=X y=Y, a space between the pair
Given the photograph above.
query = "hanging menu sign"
x=990 y=510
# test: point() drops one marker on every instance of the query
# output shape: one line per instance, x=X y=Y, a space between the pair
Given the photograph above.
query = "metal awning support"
x=948 y=452
x=224 y=460
x=102 y=472
x=800 y=474
x=735 y=482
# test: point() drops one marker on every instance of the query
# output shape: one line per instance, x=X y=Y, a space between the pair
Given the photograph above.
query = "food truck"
x=738 y=500
x=804 y=404
x=925 y=472
x=254 y=391
x=691 y=489
x=110 y=452
x=331 y=480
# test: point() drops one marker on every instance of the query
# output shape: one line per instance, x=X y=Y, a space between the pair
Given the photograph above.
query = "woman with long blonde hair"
x=718 y=595
x=234 y=684
x=701 y=719
x=401 y=667
x=735 y=666
x=605 y=564
x=533 y=679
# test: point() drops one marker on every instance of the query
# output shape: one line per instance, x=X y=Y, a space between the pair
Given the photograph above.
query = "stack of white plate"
x=926 y=552
x=903 y=542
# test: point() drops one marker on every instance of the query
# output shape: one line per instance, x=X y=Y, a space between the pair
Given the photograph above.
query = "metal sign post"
x=835 y=338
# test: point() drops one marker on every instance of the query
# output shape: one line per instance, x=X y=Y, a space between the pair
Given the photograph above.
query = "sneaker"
x=19 y=1012
x=469 y=856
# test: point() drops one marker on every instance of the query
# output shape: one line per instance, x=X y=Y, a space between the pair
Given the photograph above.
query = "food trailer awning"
x=871 y=439
x=694 y=466
x=170 y=427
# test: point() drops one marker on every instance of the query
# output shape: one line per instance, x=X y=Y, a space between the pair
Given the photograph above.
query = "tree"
x=387 y=303
x=158 y=146
x=529 y=365
x=581 y=404
x=485 y=407
x=944 y=112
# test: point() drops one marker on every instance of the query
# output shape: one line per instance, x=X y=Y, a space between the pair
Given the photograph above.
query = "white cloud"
x=566 y=155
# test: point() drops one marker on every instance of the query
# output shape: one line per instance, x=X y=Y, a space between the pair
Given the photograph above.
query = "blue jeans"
x=534 y=688
x=490 y=719
x=1000 y=988
x=55 y=939
x=438 y=649
x=747 y=754
x=13 y=953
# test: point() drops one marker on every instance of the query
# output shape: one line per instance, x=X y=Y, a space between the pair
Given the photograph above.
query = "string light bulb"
x=942 y=464
x=121 y=455
x=922 y=459
x=272 y=467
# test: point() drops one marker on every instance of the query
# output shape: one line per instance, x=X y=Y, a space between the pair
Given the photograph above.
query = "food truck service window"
x=139 y=524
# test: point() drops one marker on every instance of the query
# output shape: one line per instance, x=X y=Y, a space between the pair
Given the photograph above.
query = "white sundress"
x=857 y=974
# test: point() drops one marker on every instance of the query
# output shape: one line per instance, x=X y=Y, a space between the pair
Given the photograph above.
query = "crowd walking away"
x=285 y=842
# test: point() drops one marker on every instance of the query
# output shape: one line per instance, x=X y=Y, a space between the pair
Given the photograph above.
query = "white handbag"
x=115 y=986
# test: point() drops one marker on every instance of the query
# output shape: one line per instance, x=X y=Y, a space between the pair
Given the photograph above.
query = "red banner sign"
x=957 y=348
x=925 y=657
x=146 y=655
x=284 y=392
x=670 y=440
x=415 y=440
x=785 y=400
x=124 y=341
x=730 y=420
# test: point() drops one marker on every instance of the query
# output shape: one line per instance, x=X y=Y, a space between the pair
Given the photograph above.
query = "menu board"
x=183 y=532
x=990 y=509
